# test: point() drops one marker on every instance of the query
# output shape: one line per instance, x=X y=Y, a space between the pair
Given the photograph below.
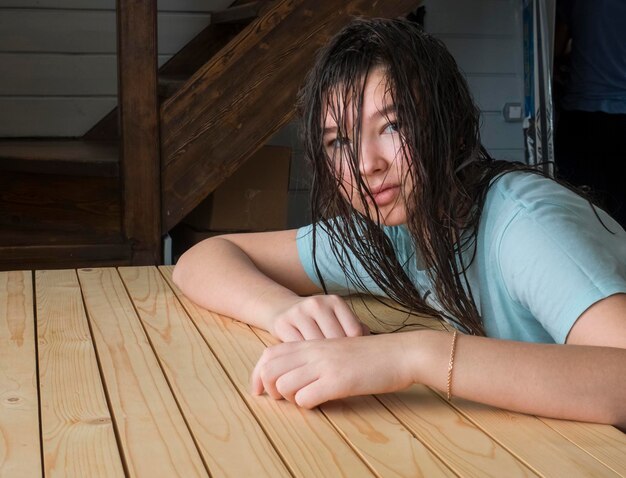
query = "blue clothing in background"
x=542 y=259
x=597 y=80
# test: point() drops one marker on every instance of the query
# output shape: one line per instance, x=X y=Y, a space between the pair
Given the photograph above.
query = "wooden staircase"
x=109 y=197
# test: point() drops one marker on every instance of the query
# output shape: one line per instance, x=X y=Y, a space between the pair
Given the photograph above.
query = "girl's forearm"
x=218 y=275
x=561 y=381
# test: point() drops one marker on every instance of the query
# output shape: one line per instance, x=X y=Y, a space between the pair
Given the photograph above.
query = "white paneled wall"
x=485 y=37
x=57 y=60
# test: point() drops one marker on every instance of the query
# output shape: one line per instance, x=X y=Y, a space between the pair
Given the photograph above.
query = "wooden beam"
x=64 y=256
x=236 y=101
x=139 y=119
x=73 y=157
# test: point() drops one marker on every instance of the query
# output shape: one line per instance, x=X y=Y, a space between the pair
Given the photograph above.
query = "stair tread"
x=60 y=156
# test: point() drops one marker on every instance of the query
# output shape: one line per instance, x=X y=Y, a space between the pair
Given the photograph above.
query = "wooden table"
x=129 y=378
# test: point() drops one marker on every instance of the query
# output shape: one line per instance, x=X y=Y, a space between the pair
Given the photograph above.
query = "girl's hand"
x=313 y=372
x=316 y=317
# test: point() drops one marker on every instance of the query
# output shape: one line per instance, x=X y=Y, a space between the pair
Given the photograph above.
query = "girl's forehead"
x=372 y=97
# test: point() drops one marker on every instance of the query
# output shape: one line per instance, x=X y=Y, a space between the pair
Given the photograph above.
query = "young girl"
x=407 y=204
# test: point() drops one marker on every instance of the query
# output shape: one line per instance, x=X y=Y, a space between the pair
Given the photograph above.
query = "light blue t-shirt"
x=542 y=258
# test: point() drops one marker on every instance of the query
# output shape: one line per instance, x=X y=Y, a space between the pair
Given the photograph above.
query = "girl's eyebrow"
x=329 y=130
x=384 y=112
x=387 y=110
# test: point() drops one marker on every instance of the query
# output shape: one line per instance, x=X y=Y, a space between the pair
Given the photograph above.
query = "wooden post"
x=139 y=127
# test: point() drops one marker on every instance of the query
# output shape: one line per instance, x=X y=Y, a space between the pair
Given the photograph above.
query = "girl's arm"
x=583 y=380
x=258 y=278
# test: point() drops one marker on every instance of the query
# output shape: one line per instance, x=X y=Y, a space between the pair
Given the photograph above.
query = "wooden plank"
x=604 y=442
x=491 y=92
x=38 y=116
x=86 y=209
x=378 y=436
x=501 y=55
x=77 y=431
x=460 y=444
x=152 y=432
x=222 y=425
x=308 y=443
x=164 y=5
x=63 y=256
x=36 y=75
x=57 y=31
x=62 y=157
x=528 y=438
x=57 y=74
x=498 y=134
x=486 y=17
x=20 y=443
x=139 y=126
x=207 y=131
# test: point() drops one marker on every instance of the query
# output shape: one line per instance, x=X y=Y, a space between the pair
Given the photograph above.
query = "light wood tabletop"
x=113 y=372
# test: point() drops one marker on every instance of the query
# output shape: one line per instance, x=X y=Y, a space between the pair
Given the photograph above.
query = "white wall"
x=57 y=60
x=485 y=37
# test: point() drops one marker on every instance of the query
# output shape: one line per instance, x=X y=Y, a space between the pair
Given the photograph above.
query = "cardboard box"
x=253 y=198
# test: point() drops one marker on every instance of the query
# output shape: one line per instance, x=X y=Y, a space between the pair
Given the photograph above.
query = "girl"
x=407 y=204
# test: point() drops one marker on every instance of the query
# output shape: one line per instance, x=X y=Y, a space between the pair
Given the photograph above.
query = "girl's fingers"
x=313 y=394
x=268 y=370
x=351 y=325
x=288 y=333
x=288 y=384
x=330 y=326
x=309 y=329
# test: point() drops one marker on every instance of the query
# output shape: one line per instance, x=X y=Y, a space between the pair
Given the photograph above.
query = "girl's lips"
x=385 y=195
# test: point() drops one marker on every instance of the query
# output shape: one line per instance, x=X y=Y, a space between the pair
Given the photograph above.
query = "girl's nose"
x=373 y=160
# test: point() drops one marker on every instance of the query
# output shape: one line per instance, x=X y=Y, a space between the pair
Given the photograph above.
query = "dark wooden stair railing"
x=138 y=108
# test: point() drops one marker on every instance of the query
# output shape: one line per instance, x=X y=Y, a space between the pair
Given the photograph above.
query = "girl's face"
x=383 y=166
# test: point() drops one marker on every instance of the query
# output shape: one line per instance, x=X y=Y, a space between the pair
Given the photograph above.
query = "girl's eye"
x=391 y=128
x=338 y=142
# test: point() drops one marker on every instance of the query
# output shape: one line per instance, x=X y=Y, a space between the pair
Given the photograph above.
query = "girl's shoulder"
x=536 y=201
x=536 y=194
x=529 y=189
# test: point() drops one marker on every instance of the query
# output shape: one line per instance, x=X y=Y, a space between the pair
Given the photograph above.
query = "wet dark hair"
x=438 y=124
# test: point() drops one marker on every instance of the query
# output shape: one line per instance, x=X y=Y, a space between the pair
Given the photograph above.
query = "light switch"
x=512 y=112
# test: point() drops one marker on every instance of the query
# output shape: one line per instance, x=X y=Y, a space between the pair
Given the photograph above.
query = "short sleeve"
x=557 y=262
x=335 y=278
x=346 y=274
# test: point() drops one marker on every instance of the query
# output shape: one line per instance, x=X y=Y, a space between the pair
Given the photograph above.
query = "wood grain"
x=139 y=126
x=231 y=441
x=459 y=443
x=87 y=207
x=152 y=433
x=604 y=442
x=309 y=444
x=77 y=431
x=20 y=442
x=62 y=256
x=377 y=436
x=537 y=445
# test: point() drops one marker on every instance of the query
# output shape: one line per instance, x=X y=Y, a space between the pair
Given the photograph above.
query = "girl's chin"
x=394 y=218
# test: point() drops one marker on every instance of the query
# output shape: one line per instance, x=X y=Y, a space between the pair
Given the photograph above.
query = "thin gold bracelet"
x=451 y=365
